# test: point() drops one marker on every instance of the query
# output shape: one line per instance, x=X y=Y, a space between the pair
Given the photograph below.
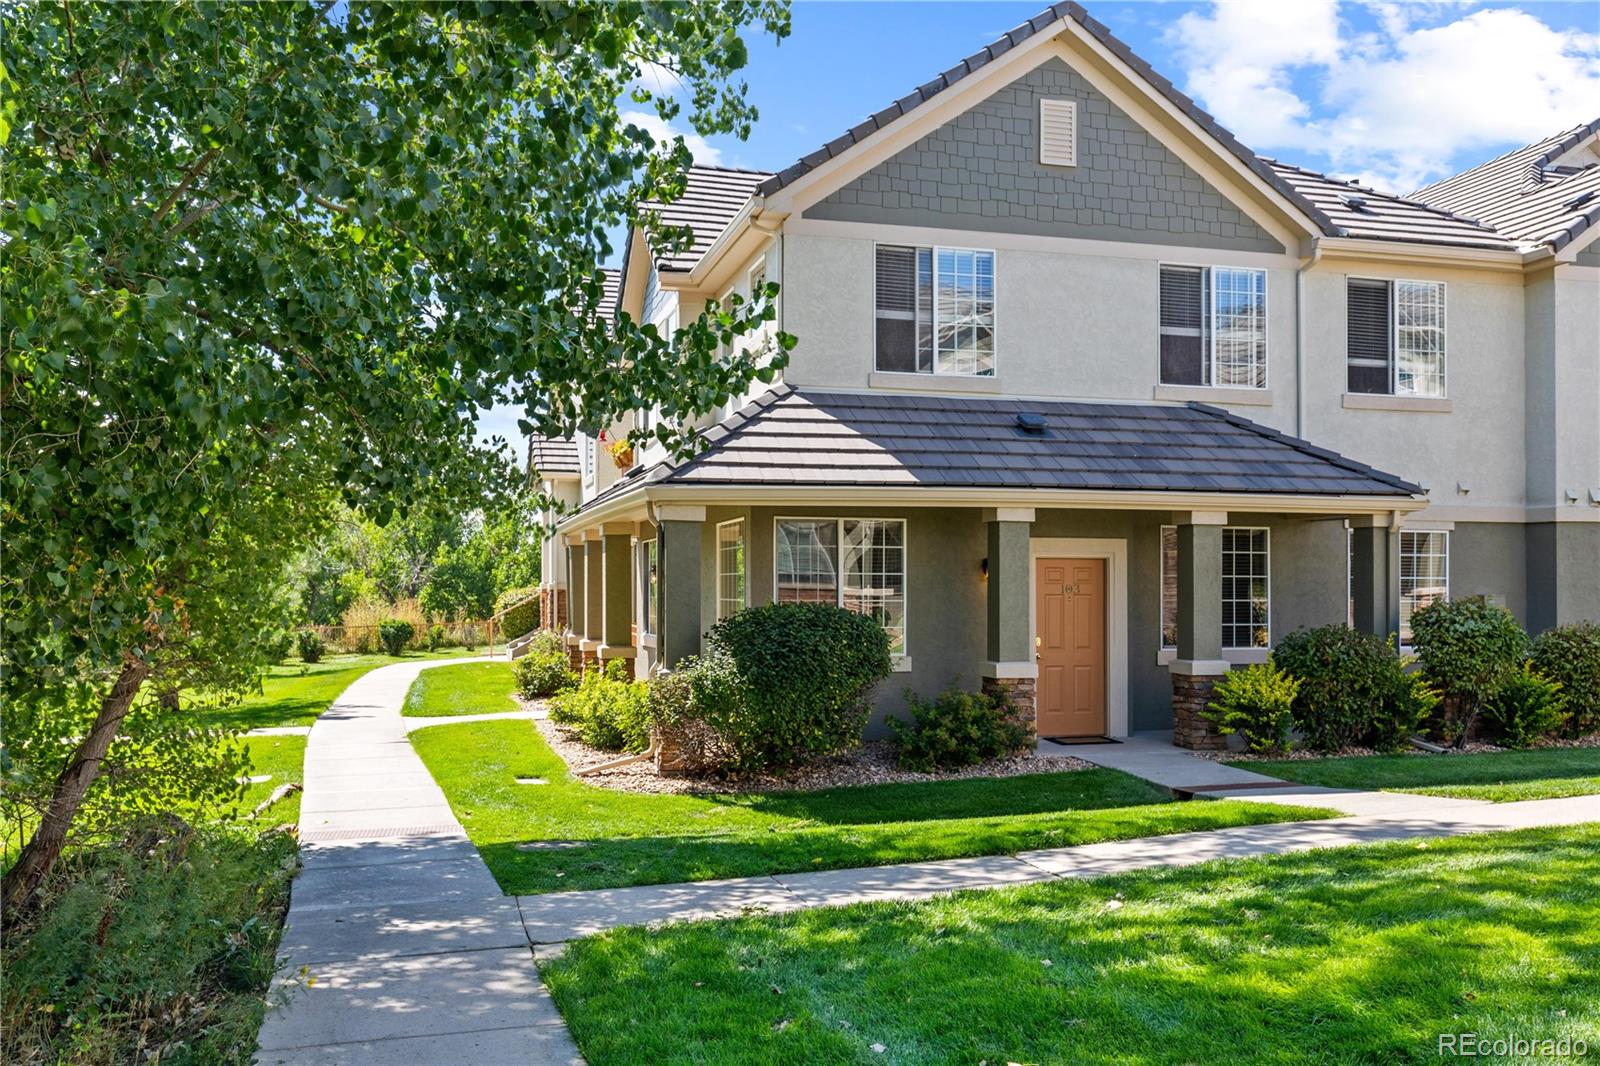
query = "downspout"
x=1300 y=339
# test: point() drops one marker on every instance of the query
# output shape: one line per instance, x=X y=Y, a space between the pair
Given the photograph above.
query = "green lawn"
x=1357 y=955
x=294 y=693
x=470 y=688
x=281 y=759
x=634 y=839
x=1498 y=776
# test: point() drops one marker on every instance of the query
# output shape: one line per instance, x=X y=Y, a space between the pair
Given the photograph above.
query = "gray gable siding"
x=1590 y=256
x=981 y=171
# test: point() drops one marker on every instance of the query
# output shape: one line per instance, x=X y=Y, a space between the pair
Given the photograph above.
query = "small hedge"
x=1468 y=648
x=606 y=709
x=1255 y=702
x=520 y=619
x=957 y=729
x=395 y=635
x=1352 y=689
x=543 y=669
x=309 y=645
x=1526 y=707
x=1570 y=654
x=805 y=671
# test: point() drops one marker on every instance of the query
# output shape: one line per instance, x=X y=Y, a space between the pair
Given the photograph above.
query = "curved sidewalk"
x=399 y=945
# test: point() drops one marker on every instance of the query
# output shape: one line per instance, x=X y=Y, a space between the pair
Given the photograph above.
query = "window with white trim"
x=934 y=309
x=730 y=568
x=856 y=563
x=1214 y=327
x=1246 y=592
x=1424 y=573
x=649 y=606
x=1396 y=337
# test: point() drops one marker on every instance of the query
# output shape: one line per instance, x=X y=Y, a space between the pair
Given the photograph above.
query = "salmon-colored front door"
x=1070 y=596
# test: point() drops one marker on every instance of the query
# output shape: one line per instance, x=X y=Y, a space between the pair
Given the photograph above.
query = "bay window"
x=934 y=310
x=855 y=563
x=1214 y=327
x=1396 y=332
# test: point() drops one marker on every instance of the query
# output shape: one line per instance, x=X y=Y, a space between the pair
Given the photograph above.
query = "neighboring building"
x=1090 y=402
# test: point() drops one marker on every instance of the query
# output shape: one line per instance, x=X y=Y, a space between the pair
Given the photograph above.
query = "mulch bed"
x=871 y=764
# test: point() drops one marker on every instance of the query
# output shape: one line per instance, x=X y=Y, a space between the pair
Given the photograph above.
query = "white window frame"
x=1161 y=599
x=1208 y=325
x=744 y=578
x=1394 y=335
x=994 y=328
x=1268 y=541
x=648 y=607
x=1399 y=578
x=904 y=654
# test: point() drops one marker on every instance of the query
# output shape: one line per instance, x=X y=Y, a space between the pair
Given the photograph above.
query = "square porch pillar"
x=616 y=553
x=1374 y=574
x=1199 y=660
x=1011 y=669
x=594 y=603
x=678 y=536
x=577 y=573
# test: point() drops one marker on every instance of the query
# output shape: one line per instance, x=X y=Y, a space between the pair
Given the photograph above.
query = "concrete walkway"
x=1153 y=757
x=399 y=946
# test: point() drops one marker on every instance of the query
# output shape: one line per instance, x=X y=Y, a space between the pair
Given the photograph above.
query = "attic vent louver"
x=1058 y=133
x=1030 y=423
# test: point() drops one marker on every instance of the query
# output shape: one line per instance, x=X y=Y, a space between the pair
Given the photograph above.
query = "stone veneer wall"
x=1020 y=692
x=553 y=609
x=1190 y=694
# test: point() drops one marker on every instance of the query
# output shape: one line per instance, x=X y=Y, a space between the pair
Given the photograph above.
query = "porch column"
x=577 y=571
x=1374 y=574
x=617 y=626
x=678 y=531
x=594 y=590
x=1199 y=660
x=1011 y=670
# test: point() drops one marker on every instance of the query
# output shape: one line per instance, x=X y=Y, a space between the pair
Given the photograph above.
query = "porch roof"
x=806 y=438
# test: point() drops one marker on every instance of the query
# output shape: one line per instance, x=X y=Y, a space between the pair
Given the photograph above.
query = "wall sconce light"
x=983 y=566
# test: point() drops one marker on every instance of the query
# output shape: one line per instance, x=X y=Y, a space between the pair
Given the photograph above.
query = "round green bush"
x=395 y=635
x=1255 y=702
x=1352 y=689
x=521 y=607
x=543 y=669
x=1527 y=706
x=1570 y=654
x=309 y=645
x=957 y=729
x=1468 y=648
x=607 y=709
x=805 y=672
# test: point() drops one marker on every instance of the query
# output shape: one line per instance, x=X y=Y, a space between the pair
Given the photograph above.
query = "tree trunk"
x=42 y=851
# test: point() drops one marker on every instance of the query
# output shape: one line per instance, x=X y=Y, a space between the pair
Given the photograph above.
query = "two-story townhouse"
x=1091 y=403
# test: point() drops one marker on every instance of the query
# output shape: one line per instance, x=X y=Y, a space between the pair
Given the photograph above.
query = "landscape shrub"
x=606 y=709
x=1467 y=649
x=690 y=702
x=805 y=672
x=543 y=669
x=1527 y=706
x=309 y=645
x=1255 y=702
x=1399 y=717
x=395 y=635
x=471 y=636
x=278 y=645
x=361 y=643
x=156 y=948
x=437 y=635
x=956 y=729
x=1570 y=654
x=1352 y=688
x=523 y=617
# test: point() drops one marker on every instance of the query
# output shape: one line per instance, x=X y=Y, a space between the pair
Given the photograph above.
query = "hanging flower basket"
x=621 y=453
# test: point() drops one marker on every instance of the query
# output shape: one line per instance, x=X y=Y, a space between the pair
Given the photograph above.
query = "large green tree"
x=257 y=251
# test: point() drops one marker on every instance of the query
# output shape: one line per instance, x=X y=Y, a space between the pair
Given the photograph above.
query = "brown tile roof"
x=1524 y=195
x=1360 y=212
x=710 y=201
x=552 y=457
x=791 y=437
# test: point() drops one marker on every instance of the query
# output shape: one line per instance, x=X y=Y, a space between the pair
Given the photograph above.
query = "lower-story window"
x=647 y=586
x=1246 y=588
x=1424 y=574
x=730 y=568
x=857 y=563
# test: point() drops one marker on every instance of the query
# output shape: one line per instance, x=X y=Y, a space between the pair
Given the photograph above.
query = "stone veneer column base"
x=553 y=609
x=1019 y=692
x=575 y=657
x=1190 y=694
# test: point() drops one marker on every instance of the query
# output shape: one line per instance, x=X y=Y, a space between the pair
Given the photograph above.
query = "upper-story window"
x=1396 y=337
x=935 y=310
x=1214 y=327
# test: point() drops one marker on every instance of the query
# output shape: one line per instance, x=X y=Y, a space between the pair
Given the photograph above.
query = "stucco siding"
x=1590 y=256
x=1490 y=559
x=1563 y=573
x=981 y=171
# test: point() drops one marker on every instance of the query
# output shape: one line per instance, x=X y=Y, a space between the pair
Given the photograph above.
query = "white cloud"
x=1392 y=105
x=663 y=131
